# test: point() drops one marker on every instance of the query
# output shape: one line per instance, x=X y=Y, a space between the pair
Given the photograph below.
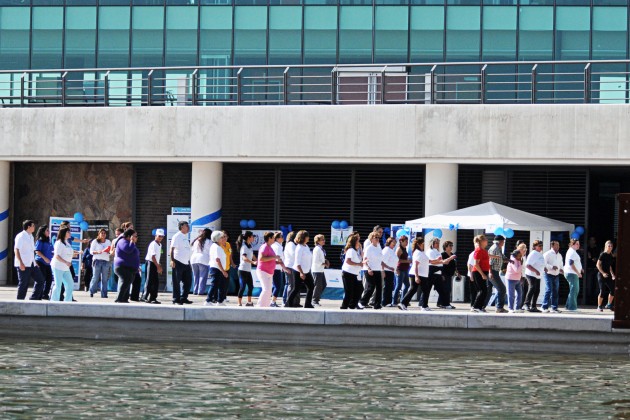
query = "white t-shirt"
x=289 y=254
x=434 y=254
x=277 y=248
x=98 y=246
x=374 y=256
x=553 y=259
x=154 y=249
x=319 y=260
x=572 y=255
x=64 y=251
x=303 y=258
x=182 y=247
x=422 y=260
x=537 y=260
x=200 y=256
x=25 y=243
x=390 y=258
x=471 y=261
x=217 y=252
x=249 y=253
x=355 y=257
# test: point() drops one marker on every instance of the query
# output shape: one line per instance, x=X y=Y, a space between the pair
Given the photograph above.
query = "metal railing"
x=406 y=83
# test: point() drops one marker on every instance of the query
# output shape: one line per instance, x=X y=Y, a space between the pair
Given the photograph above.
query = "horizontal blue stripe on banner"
x=207 y=219
x=4 y=215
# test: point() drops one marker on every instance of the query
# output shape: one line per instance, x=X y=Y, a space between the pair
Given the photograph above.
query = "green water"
x=70 y=379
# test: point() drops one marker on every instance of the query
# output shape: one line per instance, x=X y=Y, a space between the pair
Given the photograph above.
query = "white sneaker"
x=226 y=300
x=546 y=310
x=402 y=307
x=555 y=311
x=511 y=311
x=426 y=309
x=474 y=310
x=206 y=303
x=360 y=306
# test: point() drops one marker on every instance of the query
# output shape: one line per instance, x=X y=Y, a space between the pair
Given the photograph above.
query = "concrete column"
x=440 y=193
x=206 y=194
x=5 y=172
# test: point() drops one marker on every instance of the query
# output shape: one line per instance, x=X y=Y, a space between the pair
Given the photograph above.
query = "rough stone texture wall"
x=98 y=190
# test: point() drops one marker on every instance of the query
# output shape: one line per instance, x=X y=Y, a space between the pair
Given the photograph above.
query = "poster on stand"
x=77 y=235
x=338 y=237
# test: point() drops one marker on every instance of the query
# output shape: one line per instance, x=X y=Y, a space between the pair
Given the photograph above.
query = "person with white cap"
x=153 y=268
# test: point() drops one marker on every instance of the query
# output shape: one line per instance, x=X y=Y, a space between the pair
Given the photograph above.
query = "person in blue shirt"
x=43 y=254
x=86 y=266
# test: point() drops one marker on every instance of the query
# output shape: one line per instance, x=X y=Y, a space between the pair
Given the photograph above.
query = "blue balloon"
x=509 y=233
x=451 y=226
x=153 y=232
x=78 y=217
x=499 y=231
x=575 y=235
x=437 y=233
x=401 y=232
x=579 y=230
x=336 y=224
x=251 y=224
x=343 y=224
x=243 y=224
x=84 y=225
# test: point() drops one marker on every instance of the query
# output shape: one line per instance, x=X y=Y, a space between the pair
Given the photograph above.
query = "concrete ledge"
x=23 y=308
x=114 y=310
x=254 y=315
x=540 y=322
x=402 y=319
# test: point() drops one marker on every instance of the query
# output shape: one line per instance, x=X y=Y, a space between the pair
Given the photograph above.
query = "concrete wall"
x=530 y=134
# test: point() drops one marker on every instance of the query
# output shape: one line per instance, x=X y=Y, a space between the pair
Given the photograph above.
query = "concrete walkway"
x=588 y=331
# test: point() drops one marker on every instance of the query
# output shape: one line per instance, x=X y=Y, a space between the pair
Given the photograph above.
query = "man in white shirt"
x=153 y=268
x=534 y=267
x=180 y=263
x=553 y=268
x=24 y=262
x=573 y=273
x=373 y=266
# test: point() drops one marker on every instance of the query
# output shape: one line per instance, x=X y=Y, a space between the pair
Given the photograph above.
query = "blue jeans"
x=574 y=289
x=100 y=275
x=277 y=283
x=23 y=279
x=495 y=280
x=551 y=292
x=515 y=286
x=200 y=274
x=402 y=285
x=218 y=284
x=65 y=278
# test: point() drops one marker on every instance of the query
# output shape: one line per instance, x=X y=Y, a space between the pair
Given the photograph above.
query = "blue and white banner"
x=77 y=235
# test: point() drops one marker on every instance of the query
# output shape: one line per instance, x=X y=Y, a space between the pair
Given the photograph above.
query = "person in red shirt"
x=480 y=272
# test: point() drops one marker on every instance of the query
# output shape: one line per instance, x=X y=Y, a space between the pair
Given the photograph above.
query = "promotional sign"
x=258 y=238
x=171 y=229
x=77 y=235
x=338 y=237
x=181 y=210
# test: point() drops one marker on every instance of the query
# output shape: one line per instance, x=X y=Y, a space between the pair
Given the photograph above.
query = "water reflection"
x=104 y=379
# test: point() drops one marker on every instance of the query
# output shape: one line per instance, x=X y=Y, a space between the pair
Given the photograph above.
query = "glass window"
x=573 y=26
x=250 y=35
x=355 y=34
x=80 y=37
x=47 y=38
x=15 y=23
x=320 y=34
x=427 y=34
x=462 y=33
x=113 y=36
x=181 y=36
x=609 y=33
x=216 y=36
x=285 y=35
x=499 y=33
x=147 y=36
x=391 y=34
x=535 y=33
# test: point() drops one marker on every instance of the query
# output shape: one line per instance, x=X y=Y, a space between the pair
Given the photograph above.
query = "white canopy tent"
x=489 y=216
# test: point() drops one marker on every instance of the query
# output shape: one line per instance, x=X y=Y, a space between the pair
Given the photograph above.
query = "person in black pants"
x=86 y=265
x=353 y=261
x=373 y=264
x=44 y=251
x=302 y=270
x=481 y=272
x=180 y=263
x=126 y=263
x=448 y=271
x=418 y=277
x=153 y=268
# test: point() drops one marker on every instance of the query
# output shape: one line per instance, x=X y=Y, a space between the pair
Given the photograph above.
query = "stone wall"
x=101 y=191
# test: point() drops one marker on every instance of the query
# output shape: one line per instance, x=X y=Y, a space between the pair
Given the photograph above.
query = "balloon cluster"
x=437 y=233
x=579 y=231
x=453 y=227
x=248 y=224
x=285 y=230
x=336 y=224
x=83 y=224
x=507 y=232
x=404 y=231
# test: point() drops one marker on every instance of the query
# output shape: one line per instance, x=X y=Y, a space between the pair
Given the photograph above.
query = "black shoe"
x=343 y=307
x=309 y=306
x=187 y=302
x=74 y=300
x=177 y=302
x=135 y=300
x=144 y=300
x=534 y=309
x=121 y=301
x=91 y=294
x=154 y=302
x=378 y=307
